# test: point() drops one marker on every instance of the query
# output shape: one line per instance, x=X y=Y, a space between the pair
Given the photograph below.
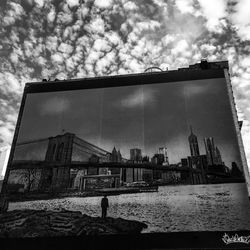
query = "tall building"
x=235 y=171
x=157 y=159
x=4 y=157
x=210 y=151
x=193 y=144
x=184 y=162
x=115 y=155
x=218 y=156
x=135 y=155
x=119 y=156
x=163 y=151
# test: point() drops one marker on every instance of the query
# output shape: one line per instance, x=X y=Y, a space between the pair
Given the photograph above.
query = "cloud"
x=57 y=58
x=129 y=6
x=140 y=98
x=166 y=40
x=73 y=3
x=185 y=6
x=15 y=12
x=103 y=4
x=9 y=84
x=6 y=134
x=181 y=49
x=97 y=26
x=65 y=48
x=54 y=106
x=40 y=3
x=7 y=121
x=241 y=19
x=51 y=15
x=208 y=48
x=101 y=45
x=214 y=11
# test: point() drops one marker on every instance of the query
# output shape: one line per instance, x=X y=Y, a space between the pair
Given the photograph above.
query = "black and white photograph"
x=124 y=120
x=162 y=156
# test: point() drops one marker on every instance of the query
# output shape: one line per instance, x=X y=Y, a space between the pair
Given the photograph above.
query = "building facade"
x=193 y=144
x=135 y=155
x=4 y=157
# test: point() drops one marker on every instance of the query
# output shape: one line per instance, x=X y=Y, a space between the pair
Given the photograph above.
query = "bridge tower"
x=60 y=148
x=59 y=151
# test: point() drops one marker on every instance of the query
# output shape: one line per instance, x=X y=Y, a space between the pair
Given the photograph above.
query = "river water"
x=215 y=207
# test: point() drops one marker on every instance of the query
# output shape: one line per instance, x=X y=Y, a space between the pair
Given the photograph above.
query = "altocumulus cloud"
x=75 y=38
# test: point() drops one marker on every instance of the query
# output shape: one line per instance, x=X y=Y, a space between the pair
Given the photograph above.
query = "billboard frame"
x=142 y=241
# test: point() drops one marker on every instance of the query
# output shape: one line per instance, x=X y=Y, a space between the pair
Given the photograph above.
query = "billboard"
x=150 y=154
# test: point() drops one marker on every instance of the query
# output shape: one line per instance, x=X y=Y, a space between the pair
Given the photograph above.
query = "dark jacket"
x=105 y=202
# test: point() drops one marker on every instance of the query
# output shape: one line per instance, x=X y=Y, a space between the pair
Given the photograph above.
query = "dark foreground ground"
x=72 y=230
x=37 y=223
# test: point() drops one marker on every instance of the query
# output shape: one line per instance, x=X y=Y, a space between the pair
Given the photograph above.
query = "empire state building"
x=193 y=144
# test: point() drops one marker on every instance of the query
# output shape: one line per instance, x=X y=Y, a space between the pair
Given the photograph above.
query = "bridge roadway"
x=24 y=164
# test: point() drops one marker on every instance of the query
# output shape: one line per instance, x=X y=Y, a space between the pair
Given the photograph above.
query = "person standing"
x=104 y=205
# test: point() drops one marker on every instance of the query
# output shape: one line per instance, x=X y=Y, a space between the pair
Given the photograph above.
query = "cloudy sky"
x=74 y=39
x=145 y=117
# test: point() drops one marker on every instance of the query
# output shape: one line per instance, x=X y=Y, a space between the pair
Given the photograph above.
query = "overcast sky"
x=73 y=39
x=145 y=117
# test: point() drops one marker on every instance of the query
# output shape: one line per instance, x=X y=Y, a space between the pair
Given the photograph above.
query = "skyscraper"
x=163 y=151
x=119 y=156
x=135 y=155
x=210 y=150
x=218 y=156
x=193 y=144
x=115 y=155
x=213 y=152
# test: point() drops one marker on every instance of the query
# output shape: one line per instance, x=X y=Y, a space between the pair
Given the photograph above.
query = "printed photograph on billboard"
x=161 y=157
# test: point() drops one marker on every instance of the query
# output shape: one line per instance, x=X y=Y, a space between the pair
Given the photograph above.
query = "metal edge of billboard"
x=237 y=128
x=123 y=80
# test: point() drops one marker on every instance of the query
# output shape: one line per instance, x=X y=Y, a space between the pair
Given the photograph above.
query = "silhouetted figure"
x=104 y=205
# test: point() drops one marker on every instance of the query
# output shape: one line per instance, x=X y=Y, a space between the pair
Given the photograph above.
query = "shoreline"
x=96 y=193
x=21 y=197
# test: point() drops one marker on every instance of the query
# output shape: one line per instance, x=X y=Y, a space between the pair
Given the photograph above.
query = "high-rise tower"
x=210 y=150
x=193 y=144
x=218 y=156
x=163 y=151
x=135 y=155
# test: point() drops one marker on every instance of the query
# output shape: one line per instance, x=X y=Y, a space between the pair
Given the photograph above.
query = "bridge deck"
x=82 y=165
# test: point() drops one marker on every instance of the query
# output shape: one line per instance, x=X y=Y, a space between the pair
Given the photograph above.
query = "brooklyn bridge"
x=67 y=162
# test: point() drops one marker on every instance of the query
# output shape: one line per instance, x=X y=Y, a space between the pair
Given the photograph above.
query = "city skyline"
x=127 y=155
x=137 y=117
x=138 y=151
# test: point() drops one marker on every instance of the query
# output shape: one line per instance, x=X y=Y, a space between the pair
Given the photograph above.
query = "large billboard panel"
x=164 y=155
